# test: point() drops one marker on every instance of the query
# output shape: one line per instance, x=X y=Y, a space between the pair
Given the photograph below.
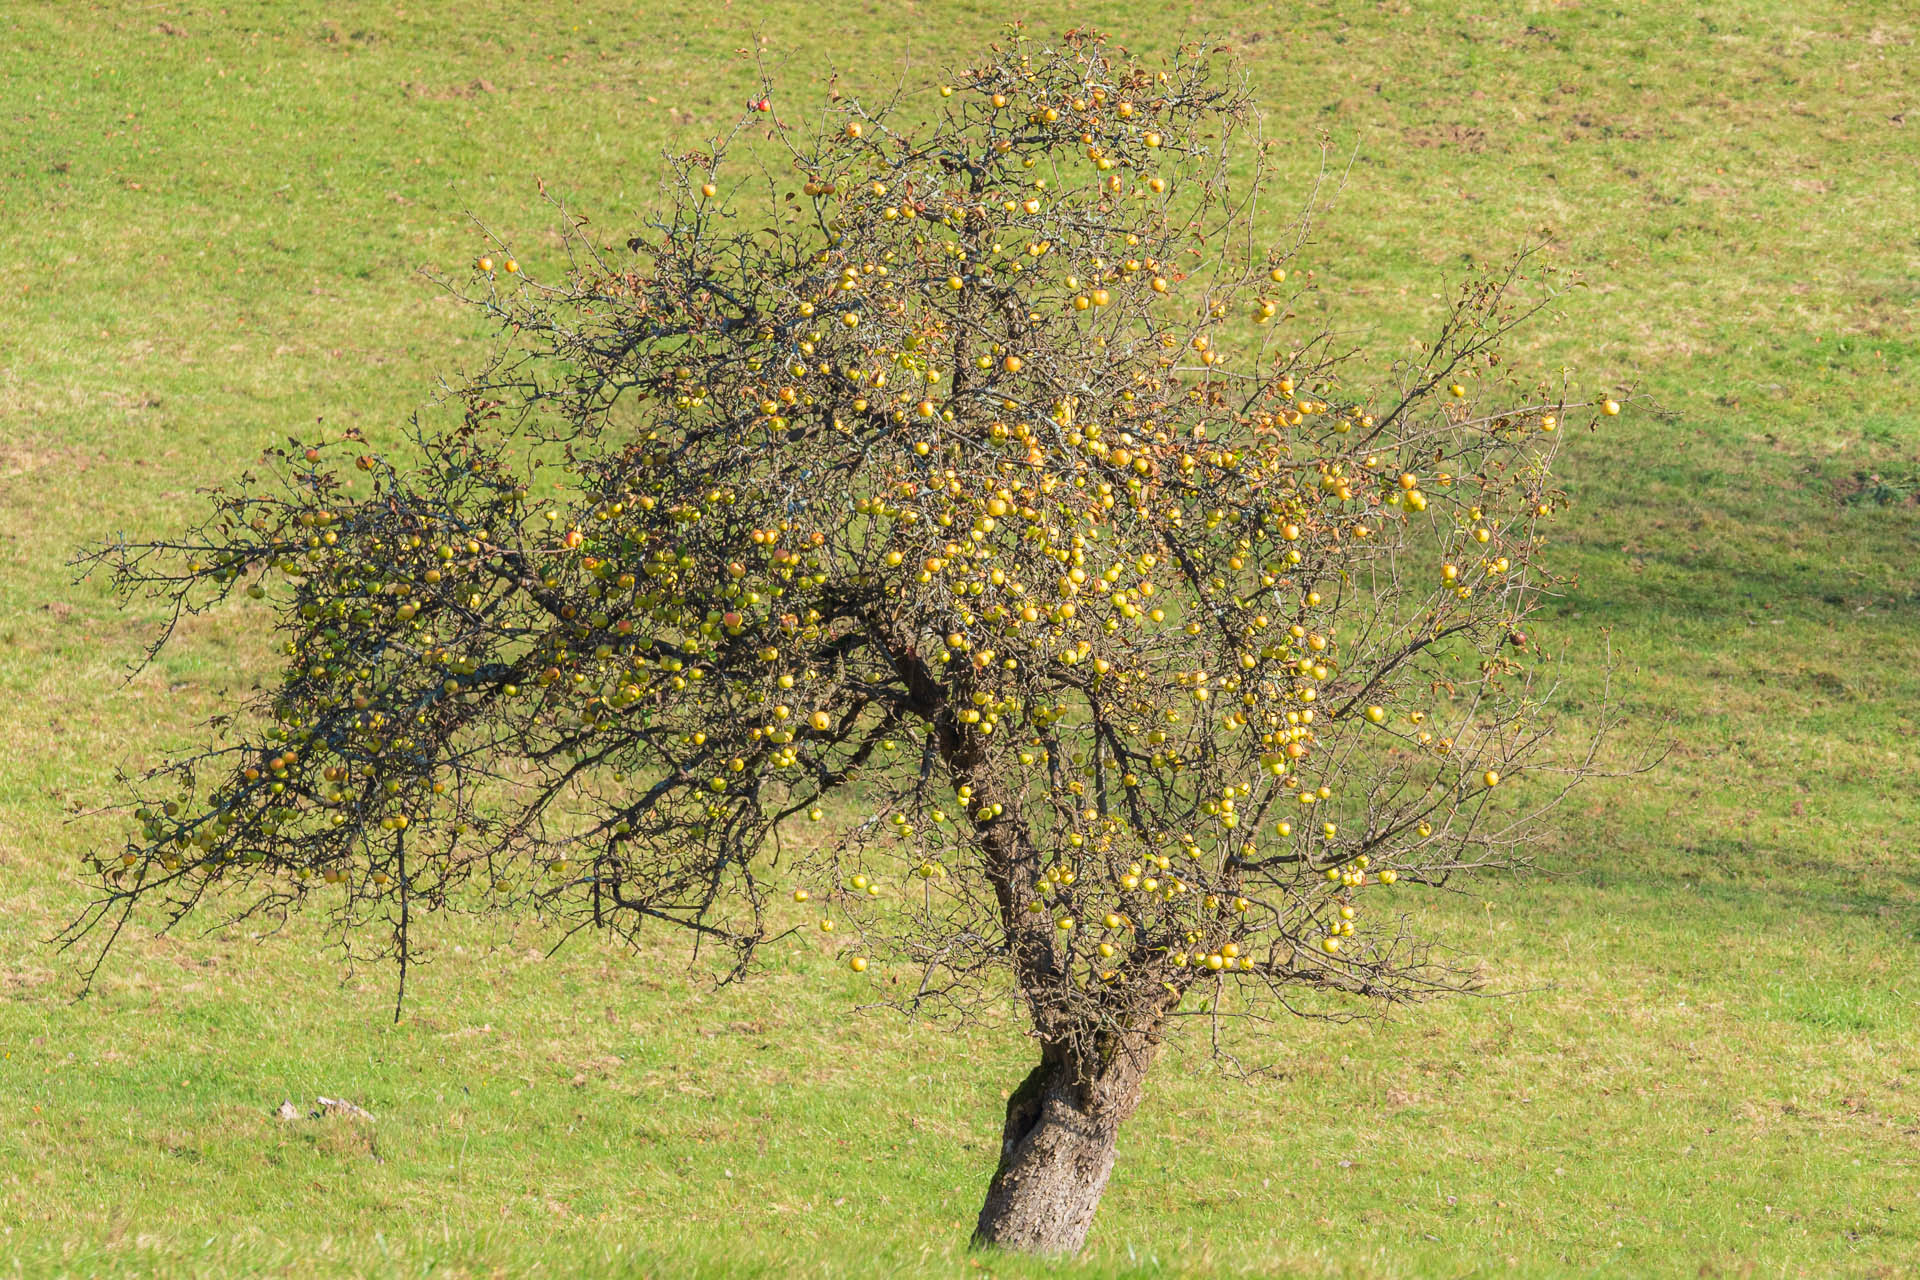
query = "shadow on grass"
x=1778 y=887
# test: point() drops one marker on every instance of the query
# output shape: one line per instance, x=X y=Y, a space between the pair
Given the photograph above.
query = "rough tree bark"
x=1057 y=1151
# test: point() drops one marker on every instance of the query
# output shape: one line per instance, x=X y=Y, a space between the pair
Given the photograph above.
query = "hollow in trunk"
x=1056 y=1154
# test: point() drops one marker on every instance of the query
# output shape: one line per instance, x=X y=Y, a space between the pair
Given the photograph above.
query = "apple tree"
x=959 y=474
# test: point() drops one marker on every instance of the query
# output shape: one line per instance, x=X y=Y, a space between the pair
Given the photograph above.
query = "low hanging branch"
x=980 y=481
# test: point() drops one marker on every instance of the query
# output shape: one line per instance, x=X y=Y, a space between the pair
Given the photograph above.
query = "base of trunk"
x=1055 y=1157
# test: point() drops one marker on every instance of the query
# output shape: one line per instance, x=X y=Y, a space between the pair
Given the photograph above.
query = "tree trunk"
x=1056 y=1154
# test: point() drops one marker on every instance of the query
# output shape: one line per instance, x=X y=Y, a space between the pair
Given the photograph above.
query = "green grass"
x=212 y=222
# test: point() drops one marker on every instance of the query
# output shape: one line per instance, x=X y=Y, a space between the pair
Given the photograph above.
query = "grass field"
x=211 y=223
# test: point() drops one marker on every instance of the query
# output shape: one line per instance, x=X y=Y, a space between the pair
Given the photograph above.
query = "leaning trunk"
x=1056 y=1154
